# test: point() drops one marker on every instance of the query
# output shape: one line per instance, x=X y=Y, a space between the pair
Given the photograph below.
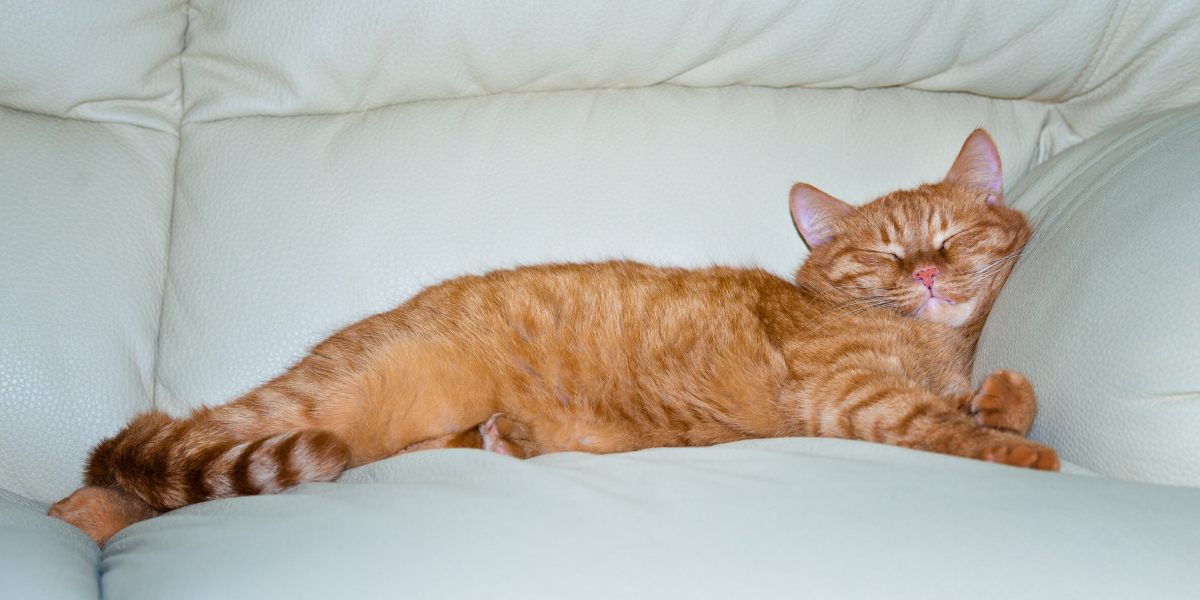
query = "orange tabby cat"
x=874 y=341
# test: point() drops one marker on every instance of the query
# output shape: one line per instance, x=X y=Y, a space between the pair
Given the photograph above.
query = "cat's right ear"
x=978 y=166
x=814 y=212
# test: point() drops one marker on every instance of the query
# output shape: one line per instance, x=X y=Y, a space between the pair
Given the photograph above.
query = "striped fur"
x=617 y=356
x=169 y=463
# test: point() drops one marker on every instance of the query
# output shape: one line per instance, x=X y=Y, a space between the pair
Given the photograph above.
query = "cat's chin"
x=946 y=312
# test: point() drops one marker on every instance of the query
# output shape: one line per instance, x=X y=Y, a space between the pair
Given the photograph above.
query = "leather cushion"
x=757 y=519
x=114 y=62
x=1101 y=312
x=84 y=216
x=1103 y=60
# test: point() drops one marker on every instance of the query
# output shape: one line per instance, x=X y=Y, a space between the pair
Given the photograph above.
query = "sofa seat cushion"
x=1100 y=312
x=772 y=518
x=41 y=557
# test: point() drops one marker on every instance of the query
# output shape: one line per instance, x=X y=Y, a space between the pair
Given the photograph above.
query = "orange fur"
x=618 y=356
x=101 y=512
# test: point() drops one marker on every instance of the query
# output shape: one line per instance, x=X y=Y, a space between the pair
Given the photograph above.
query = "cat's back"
x=581 y=303
x=625 y=315
x=619 y=318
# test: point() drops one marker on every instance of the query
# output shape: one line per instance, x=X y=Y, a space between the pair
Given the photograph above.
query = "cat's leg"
x=470 y=438
x=341 y=406
x=909 y=416
x=498 y=434
x=929 y=423
x=1003 y=401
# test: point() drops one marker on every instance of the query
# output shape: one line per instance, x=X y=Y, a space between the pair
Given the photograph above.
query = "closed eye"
x=947 y=239
x=891 y=255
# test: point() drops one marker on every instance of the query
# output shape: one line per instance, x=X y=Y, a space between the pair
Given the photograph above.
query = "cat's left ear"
x=978 y=165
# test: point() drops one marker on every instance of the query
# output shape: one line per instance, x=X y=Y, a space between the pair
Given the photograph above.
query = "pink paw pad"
x=493 y=439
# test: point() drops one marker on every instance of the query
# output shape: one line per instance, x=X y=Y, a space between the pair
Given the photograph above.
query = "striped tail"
x=169 y=463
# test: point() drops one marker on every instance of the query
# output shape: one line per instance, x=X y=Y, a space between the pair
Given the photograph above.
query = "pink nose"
x=926 y=275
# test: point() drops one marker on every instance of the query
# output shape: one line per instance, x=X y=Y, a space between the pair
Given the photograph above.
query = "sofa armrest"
x=1103 y=310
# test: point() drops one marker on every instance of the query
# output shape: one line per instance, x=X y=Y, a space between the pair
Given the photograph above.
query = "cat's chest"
x=927 y=355
x=940 y=360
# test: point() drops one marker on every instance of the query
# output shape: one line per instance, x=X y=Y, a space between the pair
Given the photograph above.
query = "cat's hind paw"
x=497 y=434
x=100 y=512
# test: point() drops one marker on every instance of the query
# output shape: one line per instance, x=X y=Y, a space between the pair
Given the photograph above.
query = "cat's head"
x=939 y=252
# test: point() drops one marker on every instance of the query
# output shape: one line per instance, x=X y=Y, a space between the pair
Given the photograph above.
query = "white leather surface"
x=83 y=232
x=1107 y=60
x=288 y=228
x=96 y=61
x=783 y=518
x=1101 y=313
x=43 y=558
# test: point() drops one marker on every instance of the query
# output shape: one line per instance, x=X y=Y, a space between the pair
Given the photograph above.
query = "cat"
x=873 y=341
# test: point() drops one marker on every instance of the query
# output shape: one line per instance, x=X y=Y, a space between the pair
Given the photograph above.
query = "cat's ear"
x=978 y=165
x=814 y=212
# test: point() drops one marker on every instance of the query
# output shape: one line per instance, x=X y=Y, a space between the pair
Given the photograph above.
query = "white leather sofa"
x=192 y=193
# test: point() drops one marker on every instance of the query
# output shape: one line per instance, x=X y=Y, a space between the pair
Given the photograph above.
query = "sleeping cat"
x=874 y=341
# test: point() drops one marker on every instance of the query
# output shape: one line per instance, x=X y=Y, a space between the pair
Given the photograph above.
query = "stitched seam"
x=166 y=279
x=390 y=105
x=38 y=113
x=1103 y=48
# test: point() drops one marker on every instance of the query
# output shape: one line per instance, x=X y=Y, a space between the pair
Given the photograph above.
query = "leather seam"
x=166 y=279
x=660 y=85
x=38 y=113
x=1104 y=47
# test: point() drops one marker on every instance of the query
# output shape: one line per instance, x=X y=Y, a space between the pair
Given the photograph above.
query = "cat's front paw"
x=1005 y=401
x=1021 y=453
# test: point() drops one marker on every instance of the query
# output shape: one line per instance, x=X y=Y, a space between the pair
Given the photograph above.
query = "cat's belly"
x=559 y=423
x=627 y=395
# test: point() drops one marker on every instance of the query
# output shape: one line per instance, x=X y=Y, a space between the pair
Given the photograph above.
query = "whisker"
x=851 y=308
x=848 y=287
x=994 y=266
